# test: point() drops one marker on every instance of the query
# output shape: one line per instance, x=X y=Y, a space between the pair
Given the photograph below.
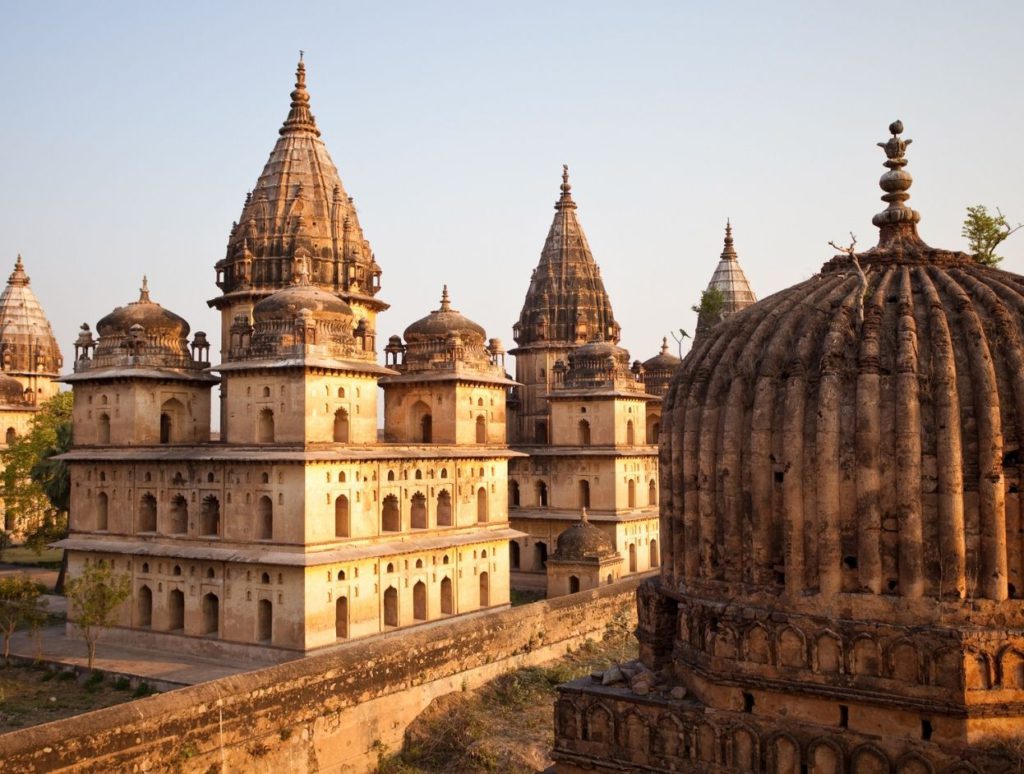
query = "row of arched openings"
x=177 y=522
x=265 y=426
x=583 y=494
x=420 y=610
x=175 y=622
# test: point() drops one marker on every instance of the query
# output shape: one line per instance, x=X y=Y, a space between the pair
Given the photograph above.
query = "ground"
x=504 y=726
x=33 y=695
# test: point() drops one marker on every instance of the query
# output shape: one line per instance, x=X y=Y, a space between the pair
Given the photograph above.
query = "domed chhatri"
x=583 y=540
x=659 y=369
x=140 y=334
x=840 y=502
x=442 y=322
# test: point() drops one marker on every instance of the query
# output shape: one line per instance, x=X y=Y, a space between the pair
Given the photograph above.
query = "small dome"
x=11 y=390
x=583 y=541
x=442 y=323
x=663 y=361
x=287 y=303
x=153 y=318
x=597 y=349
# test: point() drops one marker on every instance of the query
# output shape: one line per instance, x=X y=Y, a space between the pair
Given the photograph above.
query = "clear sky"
x=130 y=133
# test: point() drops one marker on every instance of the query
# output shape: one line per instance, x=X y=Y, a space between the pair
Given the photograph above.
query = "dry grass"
x=29 y=696
x=504 y=726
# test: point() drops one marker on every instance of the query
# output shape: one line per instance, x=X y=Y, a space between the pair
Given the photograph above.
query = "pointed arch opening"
x=652 y=492
x=341 y=426
x=421 y=423
x=144 y=607
x=631 y=493
x=147 y=513
x=481 y=429
x=265 y=621
x=630 y=433
x=265 y=426
x=341 y=618
x=418 y=511
x=176 y=610
x=342 y=524
x=655 y=556
x=179 y=515
x=542 y=494
x=481 y=504
x=103 y=429
x=419 y=601
x=583 y=433
x=209 y=517
x=391 y=517
x=172 y=421
x=391 y=606
x=583 y=498
x=264 y=518
x=211 y=614
x=102 y=511
x=485 y=590
x=444 y=508
x=447 y=598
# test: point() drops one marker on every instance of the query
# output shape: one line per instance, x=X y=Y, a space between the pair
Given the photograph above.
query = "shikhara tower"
x=298 y=527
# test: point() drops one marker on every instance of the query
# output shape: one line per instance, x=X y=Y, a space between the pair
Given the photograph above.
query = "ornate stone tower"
x=28 y=351
x=658 y=373
x=297 y=209
x=566 y=306
x=730 y=281
x=841 y=500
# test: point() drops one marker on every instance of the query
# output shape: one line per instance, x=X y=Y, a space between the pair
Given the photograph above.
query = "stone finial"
x=18 y=276
x=664 y=345
x=583 y=516
x=565 y=201
x=300 y=119
x=144 y=291
x=728 y=250
x=446 y=305
x=897 y=221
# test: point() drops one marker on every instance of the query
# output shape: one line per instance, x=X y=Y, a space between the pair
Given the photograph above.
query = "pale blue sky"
x=132 y=131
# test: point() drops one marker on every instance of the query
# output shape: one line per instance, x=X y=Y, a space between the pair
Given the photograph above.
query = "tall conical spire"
x=897 y=222
x=730 y=282
x=144 y=290
x=300 y=119
x=566 y=300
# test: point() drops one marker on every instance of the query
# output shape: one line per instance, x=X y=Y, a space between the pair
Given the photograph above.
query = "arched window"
x=632 y=557
x=419 y=601
x=631 y=493
x=444 y=472
x=265 y=426
x=655 y=556
x=342 y=525
x=653 y=428
x=540 y=432
x=176 y=610
x=444 y=508
x=418 y=511
x=341 y=426
x=265 y=621
x=391 y=606
x=420 y=423
x=12 y=435
x=265 y=478
x=481 y=429
x=103 y=431
x=147 y=513
x=211 y=614
x=513 y=494
x=341 y=618
x=102 y=509
x=447 y=606
x=144 y=607
x=574 y=584
x=481 y=504
x=485 y=590
x=583 y=433
x=179 y=515
x=542 y=495
x=630 y=433
x=513 y=554
x=341 y=392
x=391 y=518
x=172 y=416
x=209 y=517
x=584 y=494
x=652 y=493
x=264 y=518
x=540 y=556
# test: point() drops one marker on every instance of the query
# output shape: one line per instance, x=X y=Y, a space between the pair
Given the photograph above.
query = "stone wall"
x=327 y=713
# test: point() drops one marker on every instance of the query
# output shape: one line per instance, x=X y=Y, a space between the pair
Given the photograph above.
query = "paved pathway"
x=146 y=663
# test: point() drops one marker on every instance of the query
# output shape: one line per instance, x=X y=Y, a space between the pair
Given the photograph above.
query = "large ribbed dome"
x=857 y=432
x=165 y=334
x=443 y=322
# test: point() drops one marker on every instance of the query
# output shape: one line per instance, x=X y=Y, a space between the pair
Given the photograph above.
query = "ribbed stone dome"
x=582 y=541
x=287 y=303
x=12 y=392
x=443 y=322
x=857 y=432
x=165 y=334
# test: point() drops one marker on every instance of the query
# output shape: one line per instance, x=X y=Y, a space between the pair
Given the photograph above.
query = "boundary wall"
x=332 y=712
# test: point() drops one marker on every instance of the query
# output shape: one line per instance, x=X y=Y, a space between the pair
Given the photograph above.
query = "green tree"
x=93 y=597
x=25 y=499
x=984 y=232
x=20 y=606
x=709 y=310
